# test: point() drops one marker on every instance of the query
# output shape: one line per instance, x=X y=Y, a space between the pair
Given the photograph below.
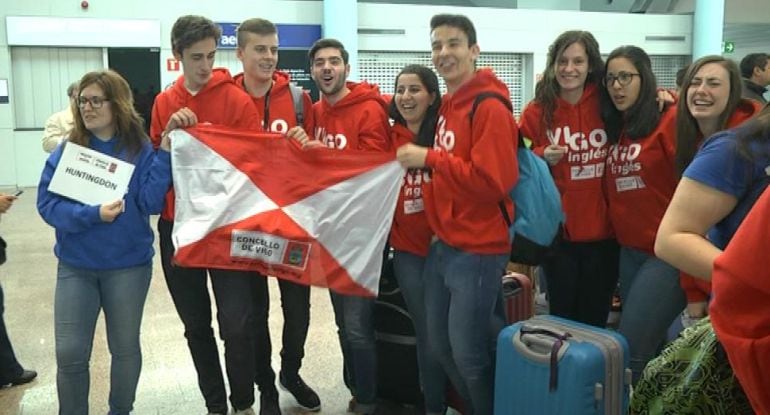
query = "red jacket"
x=640 y=179
x=579 y=175
x=474 y=168
x=696 y=289
x=219 y=102
x=740 y=310
x=281 y=113
x=410 y=232
x=358 y=121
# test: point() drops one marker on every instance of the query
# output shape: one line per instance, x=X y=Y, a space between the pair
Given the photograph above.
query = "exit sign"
x=728 y=47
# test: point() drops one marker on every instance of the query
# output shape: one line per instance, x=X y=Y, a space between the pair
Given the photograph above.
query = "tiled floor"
x=167 y=385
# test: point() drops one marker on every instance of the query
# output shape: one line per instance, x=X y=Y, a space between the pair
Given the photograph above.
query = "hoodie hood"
x=484 y=81
x=359 y=92
x=745 y=110
x=219 y=77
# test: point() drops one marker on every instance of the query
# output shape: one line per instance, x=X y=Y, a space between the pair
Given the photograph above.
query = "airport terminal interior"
x=168 y=384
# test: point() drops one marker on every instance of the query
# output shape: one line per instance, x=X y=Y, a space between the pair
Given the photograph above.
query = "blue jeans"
x=355 y=327
x=80 y=295
x=652 y=299
x=408 y=269
x=462 y=294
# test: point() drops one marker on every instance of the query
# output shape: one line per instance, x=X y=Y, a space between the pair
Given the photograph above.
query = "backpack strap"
x=484 y=95
x=297 y=96
x=480 y=97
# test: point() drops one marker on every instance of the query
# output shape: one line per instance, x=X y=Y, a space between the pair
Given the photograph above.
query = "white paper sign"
x=90 y=177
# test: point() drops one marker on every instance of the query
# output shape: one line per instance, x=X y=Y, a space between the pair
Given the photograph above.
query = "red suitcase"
x=517 y=297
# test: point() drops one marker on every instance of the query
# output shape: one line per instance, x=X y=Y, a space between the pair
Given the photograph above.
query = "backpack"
x=299 y=103
x=538 y=216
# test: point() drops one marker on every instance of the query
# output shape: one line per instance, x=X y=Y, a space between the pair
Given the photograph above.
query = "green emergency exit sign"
x=728 y=47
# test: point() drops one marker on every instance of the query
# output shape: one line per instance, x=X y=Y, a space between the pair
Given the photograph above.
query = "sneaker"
x=306 y=397
x=268 y=402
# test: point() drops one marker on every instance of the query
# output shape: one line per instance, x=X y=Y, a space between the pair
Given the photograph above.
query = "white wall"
x=499 y=30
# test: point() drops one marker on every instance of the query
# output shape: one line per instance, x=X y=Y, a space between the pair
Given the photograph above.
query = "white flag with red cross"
x=256 y=201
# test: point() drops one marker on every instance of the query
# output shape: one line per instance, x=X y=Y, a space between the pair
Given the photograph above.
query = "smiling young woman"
x=566 y=129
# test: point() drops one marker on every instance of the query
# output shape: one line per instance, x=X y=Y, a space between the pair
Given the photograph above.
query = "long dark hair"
x=548 y=89
x=129 y=128
x=425 y=135
x=755 y=130
x=688 y=134
x=643 y=116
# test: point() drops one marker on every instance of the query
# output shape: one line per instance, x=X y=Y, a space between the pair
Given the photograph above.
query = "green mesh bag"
x=691 y=376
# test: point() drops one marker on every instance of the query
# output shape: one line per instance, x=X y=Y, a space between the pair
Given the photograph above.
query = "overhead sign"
x=90 y=177
x=728 y=47
x=289 y=35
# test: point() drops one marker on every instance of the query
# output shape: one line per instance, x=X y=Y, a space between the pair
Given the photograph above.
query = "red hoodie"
x=219 y=102
x=279 y=104
x=580 y=173
x=696 y=289
x=640 y=179
x=358 y=121
x=740 y=310
x=474 y=167
x=410 y=232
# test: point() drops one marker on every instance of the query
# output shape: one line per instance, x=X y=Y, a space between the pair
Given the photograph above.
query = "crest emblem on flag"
x=255 y=201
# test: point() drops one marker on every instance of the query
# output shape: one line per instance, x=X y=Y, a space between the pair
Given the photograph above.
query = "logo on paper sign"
x=112 y=168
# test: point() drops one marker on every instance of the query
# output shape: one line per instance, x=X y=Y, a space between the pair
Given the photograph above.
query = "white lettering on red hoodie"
x=579 y=174
x=280 y=105
x=358 y=121
x=474 y=168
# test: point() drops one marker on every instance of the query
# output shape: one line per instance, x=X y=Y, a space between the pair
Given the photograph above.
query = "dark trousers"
x=582 y=277
x=295 y=304
x=235 y=315
x=10 y=369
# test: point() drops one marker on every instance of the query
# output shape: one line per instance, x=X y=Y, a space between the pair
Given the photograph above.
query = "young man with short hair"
x=755 y=70
x=271 y=93
x=205 y=94
x=350 y=116
x=474 y=167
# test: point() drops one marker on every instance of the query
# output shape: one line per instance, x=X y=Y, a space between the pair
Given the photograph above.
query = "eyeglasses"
x=96 y=102
x=623 y=78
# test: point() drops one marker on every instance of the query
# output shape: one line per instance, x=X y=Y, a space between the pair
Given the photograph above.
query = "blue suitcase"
x=550 y=365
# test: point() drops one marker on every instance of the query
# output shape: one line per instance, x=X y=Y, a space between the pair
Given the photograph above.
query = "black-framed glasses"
x=96 y=102
x=623 y=78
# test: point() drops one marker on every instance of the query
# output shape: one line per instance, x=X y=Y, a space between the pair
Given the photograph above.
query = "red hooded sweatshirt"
x=696 y=289
x=278 y=105
x=220 y=101
x=474 y=167
x=410 y=232
x=579 y=175
x=358 y=121
x=640 y=179
x=740 y=310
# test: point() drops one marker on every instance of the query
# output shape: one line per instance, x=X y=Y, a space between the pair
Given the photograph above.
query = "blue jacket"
x=82 y=239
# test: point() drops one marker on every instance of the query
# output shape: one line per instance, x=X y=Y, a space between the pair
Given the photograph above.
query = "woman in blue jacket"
x=105 y=251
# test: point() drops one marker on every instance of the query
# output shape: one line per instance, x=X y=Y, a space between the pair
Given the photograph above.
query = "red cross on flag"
x=255 y=201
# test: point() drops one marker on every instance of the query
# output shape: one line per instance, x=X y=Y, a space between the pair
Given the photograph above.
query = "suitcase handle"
x=551 y=344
